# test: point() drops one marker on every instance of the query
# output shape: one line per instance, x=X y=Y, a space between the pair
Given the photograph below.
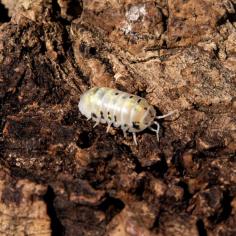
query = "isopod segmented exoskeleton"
x=114 y=107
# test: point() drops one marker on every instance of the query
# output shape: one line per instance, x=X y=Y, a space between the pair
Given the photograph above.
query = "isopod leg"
x=134 y=138
x=108 y=127
x=97 y=122
x=124 y=129
x=125 y=134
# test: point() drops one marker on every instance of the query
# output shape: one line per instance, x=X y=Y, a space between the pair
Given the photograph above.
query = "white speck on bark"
x=135 y=12
x=127 y=28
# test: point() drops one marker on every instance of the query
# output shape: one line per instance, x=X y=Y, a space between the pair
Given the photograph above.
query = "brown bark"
x=61 y=176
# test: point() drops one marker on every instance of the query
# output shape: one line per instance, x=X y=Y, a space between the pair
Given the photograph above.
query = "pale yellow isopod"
x=120 y=109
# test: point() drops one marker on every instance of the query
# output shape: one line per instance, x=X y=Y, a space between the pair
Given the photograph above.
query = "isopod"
x=120 y=109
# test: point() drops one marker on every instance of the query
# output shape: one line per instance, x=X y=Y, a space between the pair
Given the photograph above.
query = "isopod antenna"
x=156 y=130
x=166 y=115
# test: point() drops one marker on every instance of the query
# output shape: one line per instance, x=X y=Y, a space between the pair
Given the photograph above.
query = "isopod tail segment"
x=158 y=125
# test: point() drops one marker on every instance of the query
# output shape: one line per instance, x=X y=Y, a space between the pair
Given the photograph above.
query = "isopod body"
x=120 y=109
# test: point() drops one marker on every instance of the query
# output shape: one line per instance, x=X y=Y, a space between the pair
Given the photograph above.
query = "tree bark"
x=61 y=176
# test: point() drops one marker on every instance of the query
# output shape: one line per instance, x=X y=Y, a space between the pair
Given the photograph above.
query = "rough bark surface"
x=61 y=176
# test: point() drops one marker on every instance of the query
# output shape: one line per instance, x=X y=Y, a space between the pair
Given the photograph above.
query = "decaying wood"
x=61 y=176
